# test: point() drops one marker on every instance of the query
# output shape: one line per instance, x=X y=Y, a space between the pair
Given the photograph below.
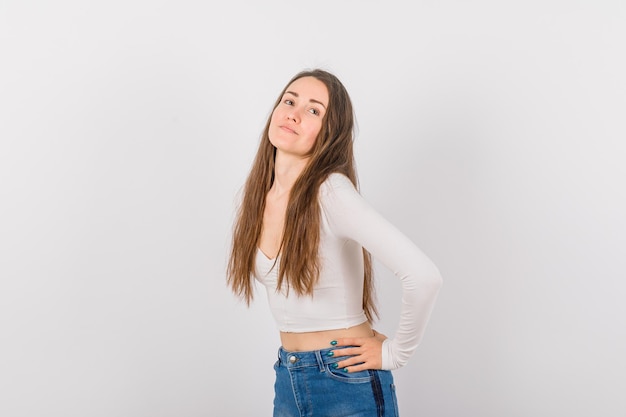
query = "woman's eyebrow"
x=311 y=100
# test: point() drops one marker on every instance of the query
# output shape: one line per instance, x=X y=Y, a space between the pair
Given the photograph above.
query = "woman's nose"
x=293 y=115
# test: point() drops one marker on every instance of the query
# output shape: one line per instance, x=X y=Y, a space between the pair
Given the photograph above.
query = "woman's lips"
x=288 y=129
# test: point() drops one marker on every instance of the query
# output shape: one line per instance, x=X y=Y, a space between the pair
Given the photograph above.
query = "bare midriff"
x=301 y=342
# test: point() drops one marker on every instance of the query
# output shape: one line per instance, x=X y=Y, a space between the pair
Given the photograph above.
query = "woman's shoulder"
x=336 y=182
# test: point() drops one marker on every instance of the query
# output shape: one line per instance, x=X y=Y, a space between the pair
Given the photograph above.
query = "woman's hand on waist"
x=365 y=352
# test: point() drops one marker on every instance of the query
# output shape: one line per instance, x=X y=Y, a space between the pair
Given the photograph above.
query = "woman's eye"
x=289 y=102
x=315 y=112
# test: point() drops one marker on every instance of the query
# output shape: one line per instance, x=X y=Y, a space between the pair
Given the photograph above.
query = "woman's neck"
x=287 y=169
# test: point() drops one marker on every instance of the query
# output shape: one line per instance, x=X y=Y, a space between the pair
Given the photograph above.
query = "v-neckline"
x=265 y=256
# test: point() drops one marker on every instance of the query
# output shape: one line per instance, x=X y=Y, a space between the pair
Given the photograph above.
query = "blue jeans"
x=307 y=385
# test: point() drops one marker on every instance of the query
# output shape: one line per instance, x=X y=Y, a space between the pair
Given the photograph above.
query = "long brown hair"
x=299 y=263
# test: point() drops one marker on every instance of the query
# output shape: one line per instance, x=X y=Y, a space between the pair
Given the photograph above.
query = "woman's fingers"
x=360 y=367
x=360 y=363
x=357 y=341
x=349 y=341
x=364 y=352
x=347 y=351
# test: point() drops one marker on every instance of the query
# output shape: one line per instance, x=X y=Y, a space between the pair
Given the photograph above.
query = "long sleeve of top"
x=348 y=224
x=351 y=217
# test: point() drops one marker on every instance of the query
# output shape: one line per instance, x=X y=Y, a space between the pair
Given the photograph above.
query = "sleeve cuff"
x=387 y=353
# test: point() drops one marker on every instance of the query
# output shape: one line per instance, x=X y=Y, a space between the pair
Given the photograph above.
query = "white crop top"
x=347 y=224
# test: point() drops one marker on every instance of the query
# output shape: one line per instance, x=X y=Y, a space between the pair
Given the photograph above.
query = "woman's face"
x=297 y=120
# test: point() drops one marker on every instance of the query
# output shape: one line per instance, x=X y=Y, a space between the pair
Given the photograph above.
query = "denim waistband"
x=318 y=358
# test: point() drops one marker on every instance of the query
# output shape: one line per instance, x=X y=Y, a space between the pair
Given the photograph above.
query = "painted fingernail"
x=335 y=365
x=334 y=342
x=345 y=370
x=331 y=353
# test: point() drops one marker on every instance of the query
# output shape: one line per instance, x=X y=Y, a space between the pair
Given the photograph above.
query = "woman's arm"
x=351 y=217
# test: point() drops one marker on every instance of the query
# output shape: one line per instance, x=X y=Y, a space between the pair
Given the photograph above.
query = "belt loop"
x=280 y=362
x=320 y=361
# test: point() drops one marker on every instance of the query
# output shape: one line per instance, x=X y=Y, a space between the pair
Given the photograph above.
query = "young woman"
x=306 y=234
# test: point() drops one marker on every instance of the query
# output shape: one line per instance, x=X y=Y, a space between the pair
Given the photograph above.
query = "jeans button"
x=293 y=359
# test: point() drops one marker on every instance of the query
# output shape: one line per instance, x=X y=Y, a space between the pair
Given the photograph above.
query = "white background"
x=491 y=132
